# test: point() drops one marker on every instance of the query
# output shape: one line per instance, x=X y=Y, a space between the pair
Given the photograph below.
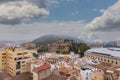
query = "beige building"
x=14 y=61
x=106 y=55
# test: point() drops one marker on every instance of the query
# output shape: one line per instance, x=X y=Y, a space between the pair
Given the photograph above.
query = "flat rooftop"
x=115 y=52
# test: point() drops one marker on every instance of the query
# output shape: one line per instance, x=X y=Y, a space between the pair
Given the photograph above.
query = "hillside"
x=53 y=38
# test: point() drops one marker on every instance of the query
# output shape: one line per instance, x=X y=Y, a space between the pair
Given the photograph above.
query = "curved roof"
x=108 y=51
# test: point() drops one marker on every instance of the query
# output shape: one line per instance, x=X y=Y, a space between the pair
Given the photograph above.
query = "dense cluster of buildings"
x=59 y=46
x=97 y=64
x=107 y=60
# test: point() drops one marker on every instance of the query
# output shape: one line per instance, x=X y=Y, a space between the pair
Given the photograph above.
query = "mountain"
x=53 y=38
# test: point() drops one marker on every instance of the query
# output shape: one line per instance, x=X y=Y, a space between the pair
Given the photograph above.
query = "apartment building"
x=14 y=61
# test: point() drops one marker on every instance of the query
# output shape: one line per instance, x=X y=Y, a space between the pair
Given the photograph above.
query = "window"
x=3 y=53
x=23 y=61
x=3 y=57
x=18 y=72
x=104 y=59
x=19 y=58
x=23 y=65
x=112 y=61
x=19 y=53
x=25 y=53
x=18 y=65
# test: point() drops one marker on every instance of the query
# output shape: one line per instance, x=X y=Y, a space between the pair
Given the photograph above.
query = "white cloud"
x=51 y=3
x=109 y=21
x=89 y=36
x=14 y=12
x=55 y=2
x=35 y=30
x=102 y=10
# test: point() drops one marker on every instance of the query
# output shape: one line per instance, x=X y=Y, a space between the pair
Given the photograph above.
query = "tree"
x=35 y=55
x=82 y=48
x=64 y=52
x=74 y=47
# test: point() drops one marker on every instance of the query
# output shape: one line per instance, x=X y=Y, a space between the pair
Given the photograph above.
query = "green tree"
x=65 y=52
x=35 y=55
x=82 y=48
x=74 y=48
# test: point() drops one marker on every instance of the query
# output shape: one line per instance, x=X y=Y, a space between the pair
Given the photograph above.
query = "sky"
x=90 y=20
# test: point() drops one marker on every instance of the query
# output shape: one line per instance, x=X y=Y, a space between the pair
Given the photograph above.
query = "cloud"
x=15 y=12
x=108 y=21
x=102 y=10
x=89 y=36
x=50 y=3
x=35 y=30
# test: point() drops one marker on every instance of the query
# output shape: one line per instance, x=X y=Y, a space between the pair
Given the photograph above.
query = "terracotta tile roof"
x=43 y=67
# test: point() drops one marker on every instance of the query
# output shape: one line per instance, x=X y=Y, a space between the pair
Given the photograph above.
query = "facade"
x=106 y=55
x=2 y=60
x=14 y=61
